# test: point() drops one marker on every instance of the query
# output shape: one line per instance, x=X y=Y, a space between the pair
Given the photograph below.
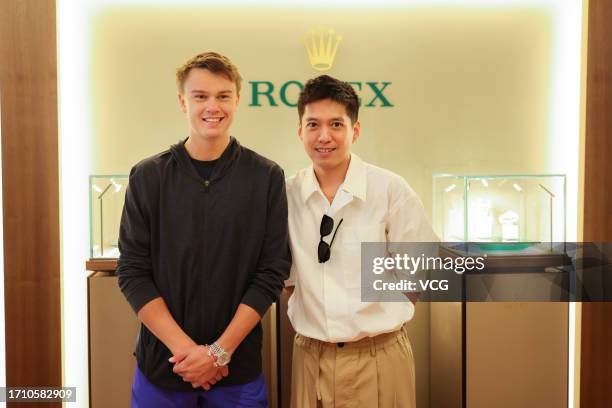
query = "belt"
x=373 y=343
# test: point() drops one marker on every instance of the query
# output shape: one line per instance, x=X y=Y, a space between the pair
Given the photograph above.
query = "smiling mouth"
x=325 y=149
x=212 y=120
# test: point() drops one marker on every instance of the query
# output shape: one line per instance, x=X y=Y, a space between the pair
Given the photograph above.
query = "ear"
x=182 y=103
x=237 y=100
x=299 y=131
x=356 y=131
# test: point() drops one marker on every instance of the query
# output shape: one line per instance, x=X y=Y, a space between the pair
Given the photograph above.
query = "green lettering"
x=283 y=92
x=267 y=92
x=378 y=94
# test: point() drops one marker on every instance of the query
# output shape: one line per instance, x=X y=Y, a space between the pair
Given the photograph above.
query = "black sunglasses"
x=327 y=225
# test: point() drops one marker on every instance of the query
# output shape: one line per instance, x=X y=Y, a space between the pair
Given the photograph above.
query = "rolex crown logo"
x=322 y=45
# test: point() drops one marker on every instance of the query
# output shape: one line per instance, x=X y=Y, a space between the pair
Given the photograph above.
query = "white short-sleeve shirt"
x=375 y=205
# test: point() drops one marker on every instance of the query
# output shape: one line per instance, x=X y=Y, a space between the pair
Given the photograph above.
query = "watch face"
x=223 y=359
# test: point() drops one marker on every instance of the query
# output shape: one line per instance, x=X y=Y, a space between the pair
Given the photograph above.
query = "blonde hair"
x=212 y=61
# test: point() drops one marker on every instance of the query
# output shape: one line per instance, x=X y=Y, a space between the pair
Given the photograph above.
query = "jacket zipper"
x=205 y=311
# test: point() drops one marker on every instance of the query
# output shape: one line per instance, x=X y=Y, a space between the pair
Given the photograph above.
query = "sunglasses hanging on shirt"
x=327 y=226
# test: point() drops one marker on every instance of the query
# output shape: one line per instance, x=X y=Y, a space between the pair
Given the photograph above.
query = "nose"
x=324 y=136
x=211 y=106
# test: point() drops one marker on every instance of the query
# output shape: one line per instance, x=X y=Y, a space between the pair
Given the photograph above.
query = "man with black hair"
x=346 y=353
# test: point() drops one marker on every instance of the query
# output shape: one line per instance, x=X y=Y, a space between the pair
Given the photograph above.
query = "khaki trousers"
x=375 y=372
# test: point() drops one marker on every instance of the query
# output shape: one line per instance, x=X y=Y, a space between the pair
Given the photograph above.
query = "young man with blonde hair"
x=347 y=353
x=204 y=253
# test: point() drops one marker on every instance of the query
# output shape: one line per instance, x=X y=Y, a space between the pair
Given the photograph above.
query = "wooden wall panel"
x=598 y=133
x=28 y=86
x=596 y=353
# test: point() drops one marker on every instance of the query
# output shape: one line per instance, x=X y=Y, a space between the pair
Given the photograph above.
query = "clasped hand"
x=196 y=366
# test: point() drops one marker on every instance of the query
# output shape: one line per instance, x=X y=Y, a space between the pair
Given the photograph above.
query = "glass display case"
x=106 y=196
x=499 y=209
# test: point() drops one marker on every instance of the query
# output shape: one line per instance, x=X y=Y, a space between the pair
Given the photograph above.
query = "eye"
x=311 y=125
x=224 y=97
x=199 y=96
x=337 y=125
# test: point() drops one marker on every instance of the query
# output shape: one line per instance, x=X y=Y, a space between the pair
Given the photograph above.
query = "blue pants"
x=250 y=395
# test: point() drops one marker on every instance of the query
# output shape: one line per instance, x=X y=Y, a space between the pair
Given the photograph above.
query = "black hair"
x=326 y=87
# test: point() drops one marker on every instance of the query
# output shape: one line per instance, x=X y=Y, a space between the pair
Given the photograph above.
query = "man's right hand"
x=157 y=318
x=221 y=372
x=196 y=366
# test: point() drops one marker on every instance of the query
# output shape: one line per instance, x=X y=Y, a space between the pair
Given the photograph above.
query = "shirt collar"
x=310 y=184
x=354 y=182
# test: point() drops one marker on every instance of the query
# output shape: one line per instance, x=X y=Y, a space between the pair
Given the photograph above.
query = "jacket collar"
x=224 y=163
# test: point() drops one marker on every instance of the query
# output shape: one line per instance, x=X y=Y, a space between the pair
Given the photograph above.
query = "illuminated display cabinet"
x=106 y=197
x=499 y=209
x=506 y=345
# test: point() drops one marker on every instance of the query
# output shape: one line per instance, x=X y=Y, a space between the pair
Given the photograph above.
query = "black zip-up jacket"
x=204 y=246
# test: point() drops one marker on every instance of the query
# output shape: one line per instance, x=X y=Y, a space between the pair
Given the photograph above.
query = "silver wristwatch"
x=222 y=357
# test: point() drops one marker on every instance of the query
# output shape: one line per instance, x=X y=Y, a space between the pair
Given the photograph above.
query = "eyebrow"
x=225 y=91
x=338 y=118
